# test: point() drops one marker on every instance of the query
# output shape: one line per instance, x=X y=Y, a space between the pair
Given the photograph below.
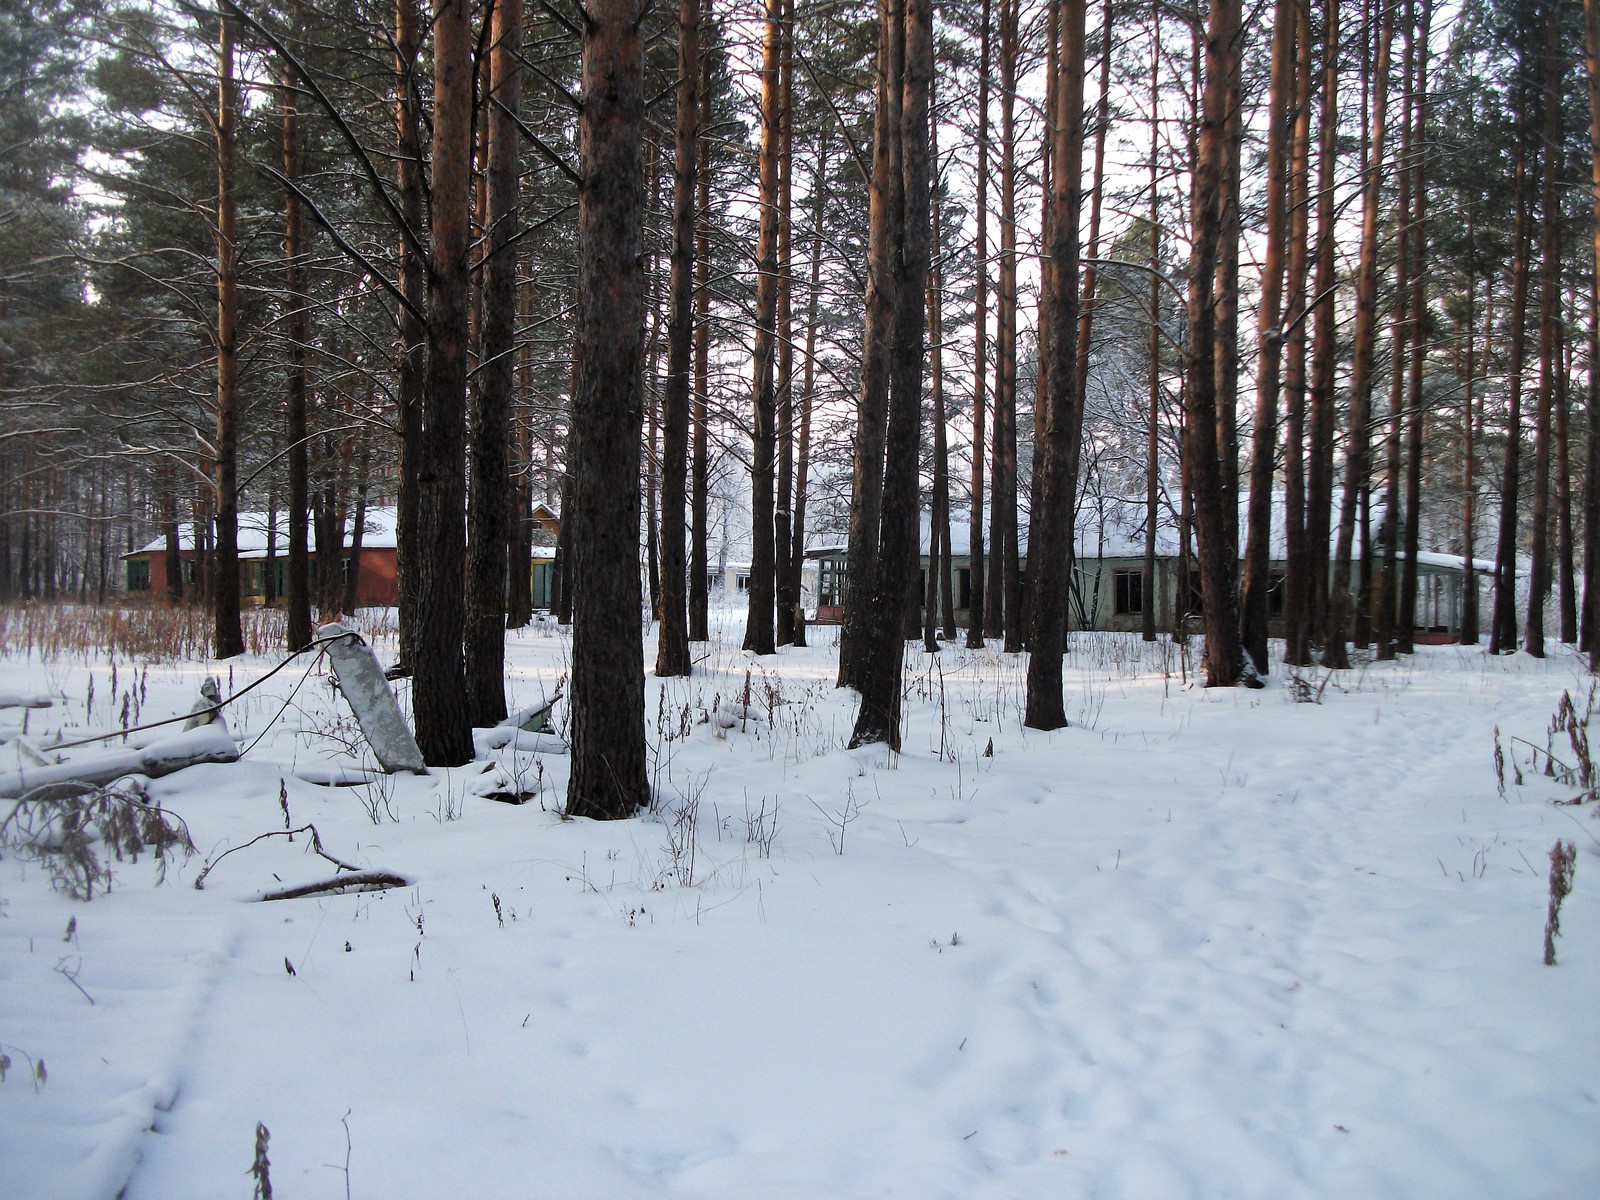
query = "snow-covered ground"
x=1201 y=944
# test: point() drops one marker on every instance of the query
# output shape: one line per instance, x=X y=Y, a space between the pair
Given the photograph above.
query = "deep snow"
x=1201 y=944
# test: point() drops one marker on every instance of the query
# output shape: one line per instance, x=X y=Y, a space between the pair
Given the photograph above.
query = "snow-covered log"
x=207 y=744
x=25 y=700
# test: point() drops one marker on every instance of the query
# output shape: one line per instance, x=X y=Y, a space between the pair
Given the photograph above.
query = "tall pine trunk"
x=488 y=504
x=229 y=634
x=910 y=25
x=1206 y=403
x=297 y=592
x=980 y=353
x=1050 y=530
x=672 y=644
x=608 y=779
x=758 y=631
x=439 y=691
x=1341 y=605
x=872 y=411
x=1550 y=332
x=1257 y=579
x=699 y=530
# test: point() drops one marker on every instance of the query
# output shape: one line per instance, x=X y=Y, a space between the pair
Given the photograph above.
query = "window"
x=741 y=582
x=139 y=575
x=964 y=588
x=1130 y=592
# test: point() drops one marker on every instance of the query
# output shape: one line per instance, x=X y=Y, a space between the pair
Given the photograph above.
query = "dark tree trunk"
x=1405 y=628
x=787 y=579
x=910 y=24
x=1152 y=467
x=1386 y=580
x=1050 y=528
x=699 y=532
x=1257 y=579
x=980 y=355
x=297 y=591
x=1324 y=349
x=172 y=550
x=229 y=633
x=1566 y=548
x=1340 y=604
x=608 y=778
x=1469 y=515
x=940 y=604
x=1298 y=575
x=439 y=690
x=358 y=534
x=872 y=412
x=802 y=468
x=411 y=377
x=488 y=507
x=1001 y=606
x=1503 y=622
x=519 y=538
x=1205 y=407
x=758 y=631
x=1550 y=333
x=1590 y=623
x=672 y=643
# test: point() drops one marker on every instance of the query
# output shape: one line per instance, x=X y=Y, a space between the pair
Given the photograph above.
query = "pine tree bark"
x=1206 y=408
x=1503 y=622
x=786 y=579
x=802 y=466
x=1257 y=578
x=1550 y=332
x=229 y=633
x=1051 y=528
x=872 y=411
x=1416 y=414
x=411 y=375
x=1341 y=604
x=700 y=477
x=1469 y=515
x=759 y=635
x=439 y=691
x=1002 y=606
x=1297 y=577
x=1590 y=621
x=519 y=538
x=1152 y=466
x=910 y=23
x=297 y=592
x=608 y=778
x=488 y=503
x=1324 y=349
x=980 y=353
x=672 y=642
x=1386 y=578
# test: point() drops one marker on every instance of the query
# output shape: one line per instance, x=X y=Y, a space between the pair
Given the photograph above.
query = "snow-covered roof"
x=378 y=532
x=1110 y=526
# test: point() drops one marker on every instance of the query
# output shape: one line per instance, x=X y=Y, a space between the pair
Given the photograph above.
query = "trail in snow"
x=1199 y=945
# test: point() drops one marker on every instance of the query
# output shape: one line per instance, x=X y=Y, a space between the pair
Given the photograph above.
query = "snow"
x=1200 y=944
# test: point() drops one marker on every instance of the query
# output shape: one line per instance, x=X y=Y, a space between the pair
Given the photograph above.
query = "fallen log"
x=339 y=885
x=207 y=744
x=25 y=700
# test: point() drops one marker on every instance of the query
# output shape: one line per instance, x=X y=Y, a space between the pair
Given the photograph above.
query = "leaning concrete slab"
x=362 y=682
